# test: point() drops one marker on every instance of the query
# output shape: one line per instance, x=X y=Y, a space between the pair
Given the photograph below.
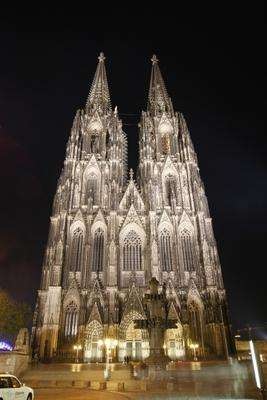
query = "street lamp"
x=194 y=346
x=259 y=377
x=77 y=347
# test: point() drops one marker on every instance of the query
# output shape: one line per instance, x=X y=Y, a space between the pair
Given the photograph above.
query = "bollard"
x=121 y=387
x=170 y=386
x=102 y=385
x=143 y=386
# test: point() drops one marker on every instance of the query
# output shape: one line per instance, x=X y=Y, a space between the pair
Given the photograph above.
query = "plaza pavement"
x=190 y=380
x=76 y=394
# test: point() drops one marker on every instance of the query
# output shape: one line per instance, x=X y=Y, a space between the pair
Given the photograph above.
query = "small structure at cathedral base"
x=22 y=344
x=157 y=322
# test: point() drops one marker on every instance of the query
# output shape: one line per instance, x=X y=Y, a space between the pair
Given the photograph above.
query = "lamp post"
x=194 y=346
x=77 y=347
x=259 y=378
x=108 y=345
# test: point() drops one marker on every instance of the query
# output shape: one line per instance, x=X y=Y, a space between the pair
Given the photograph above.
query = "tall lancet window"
x=132 y=252
x=76 y=250
x=170 y=188
x=188 y=250
x=165 y=144
x=165 y=250
x=71 y=320
x=92 y=189
x=98 y=251
x=195 y=323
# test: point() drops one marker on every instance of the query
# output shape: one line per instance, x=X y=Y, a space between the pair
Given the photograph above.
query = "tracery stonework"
x=108 y=238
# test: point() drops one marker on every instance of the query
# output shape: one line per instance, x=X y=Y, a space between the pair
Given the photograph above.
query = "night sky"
x=215 y=78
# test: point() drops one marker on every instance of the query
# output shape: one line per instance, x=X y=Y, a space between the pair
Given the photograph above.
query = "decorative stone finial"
x=131 y=173
x=101 y=57
x=154 y=59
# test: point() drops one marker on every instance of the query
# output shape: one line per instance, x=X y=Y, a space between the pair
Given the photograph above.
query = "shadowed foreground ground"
x=85 y=394
x=76 y=394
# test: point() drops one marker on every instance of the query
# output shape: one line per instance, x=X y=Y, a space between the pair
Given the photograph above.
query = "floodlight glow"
x=5 y=346
x=255 y=364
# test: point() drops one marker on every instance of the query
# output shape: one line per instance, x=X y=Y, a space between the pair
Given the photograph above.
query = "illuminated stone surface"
x=108 y=237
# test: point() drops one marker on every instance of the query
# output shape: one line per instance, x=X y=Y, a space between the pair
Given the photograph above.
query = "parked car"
x=12 y=389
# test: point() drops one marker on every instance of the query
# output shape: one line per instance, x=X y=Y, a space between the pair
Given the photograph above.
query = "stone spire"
x=99 y=93
x=158 y=99
x=131 y=173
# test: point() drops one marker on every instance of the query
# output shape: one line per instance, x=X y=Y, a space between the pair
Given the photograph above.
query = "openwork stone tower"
x=108 y=237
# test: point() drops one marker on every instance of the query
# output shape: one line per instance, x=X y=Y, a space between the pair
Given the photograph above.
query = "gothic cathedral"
x=109 y=236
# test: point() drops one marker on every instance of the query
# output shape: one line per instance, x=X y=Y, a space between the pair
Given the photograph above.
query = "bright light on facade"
x=85 y=191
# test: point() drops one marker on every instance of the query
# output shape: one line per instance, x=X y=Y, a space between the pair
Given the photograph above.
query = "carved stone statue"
x=22 y=344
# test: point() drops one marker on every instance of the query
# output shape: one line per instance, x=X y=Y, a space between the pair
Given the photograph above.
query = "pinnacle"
x=154 y=59
x=158 y=99
x=131 y=173
x=99 y=93
x=101 y=57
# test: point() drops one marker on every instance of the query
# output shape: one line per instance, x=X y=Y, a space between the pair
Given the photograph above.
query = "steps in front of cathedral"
x=82 y=376
x=211 y=378
x=75 y=372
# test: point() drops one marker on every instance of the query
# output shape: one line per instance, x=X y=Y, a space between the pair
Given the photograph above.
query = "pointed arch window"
x=71 y=320
x=132 y=252
x=170 y=189
x=195 y=322
x=98 y=250
x=188 y=250
x=165 y=143
x=165 y=250
x=77 y=250
x=92 y=188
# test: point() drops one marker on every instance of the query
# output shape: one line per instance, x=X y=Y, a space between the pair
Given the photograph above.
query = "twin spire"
x=158 y=98
x=99 y=98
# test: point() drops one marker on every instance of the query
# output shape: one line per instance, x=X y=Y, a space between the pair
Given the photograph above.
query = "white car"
x=12 y=389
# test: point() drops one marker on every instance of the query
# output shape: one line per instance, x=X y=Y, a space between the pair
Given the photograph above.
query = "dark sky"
x=215 y=77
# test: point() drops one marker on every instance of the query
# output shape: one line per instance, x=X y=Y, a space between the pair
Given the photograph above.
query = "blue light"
x=5 y=346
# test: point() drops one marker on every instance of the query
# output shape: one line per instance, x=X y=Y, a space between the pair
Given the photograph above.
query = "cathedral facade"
x=109 y=235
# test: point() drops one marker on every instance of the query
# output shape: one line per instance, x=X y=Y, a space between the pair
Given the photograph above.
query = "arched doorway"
x=195 y=315
x=174 y=342
x=93 y=351
x=133 y=343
